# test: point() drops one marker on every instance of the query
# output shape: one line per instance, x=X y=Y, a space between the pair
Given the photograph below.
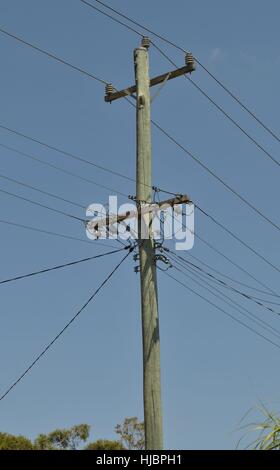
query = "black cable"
x=131 y=20
x=208 y=170
x=236 y=237
x=46 y=193
x=218 y=178
x=53 y=56
x=169 y=136
x=195 y=268
x=235 y=123
x=204 y=166
x=240 y=322
x=236 y=306
x=41 y=205
x=111 y=17
x=55 y=234
x=168 y=41
x=58 y=168
x=213 y=248
x=64 y=152
x=54 y=268
x=63 y=329
x=231 y=278
x=184 y=260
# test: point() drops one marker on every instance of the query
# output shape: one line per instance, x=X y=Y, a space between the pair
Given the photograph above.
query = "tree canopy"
x=131 y=433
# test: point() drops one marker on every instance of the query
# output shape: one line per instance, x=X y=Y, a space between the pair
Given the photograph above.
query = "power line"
x=63 y=329
x=53 y=56
x=111 y=17
x=204 y=166
x=41 y=205
x=235 y=123
x=193 y=267
x=64 y=152
x=228 y=277
x=58 y=168
x=176 y=46
x=213 y=248
x=29 y=186
x=208 y=170
x=54 y=268
x=235 y=305
x=240 y=322
x=222 y=226
x=55 y=234
x=236 y=237
x=218 y=178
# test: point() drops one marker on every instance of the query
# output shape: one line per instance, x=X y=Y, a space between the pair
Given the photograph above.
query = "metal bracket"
x=160 y=88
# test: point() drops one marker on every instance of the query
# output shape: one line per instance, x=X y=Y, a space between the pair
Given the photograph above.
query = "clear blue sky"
x=213 y=370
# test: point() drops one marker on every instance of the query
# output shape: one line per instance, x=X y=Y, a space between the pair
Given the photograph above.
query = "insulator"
x=145 y=42
x=109 y=89
x=189 y=60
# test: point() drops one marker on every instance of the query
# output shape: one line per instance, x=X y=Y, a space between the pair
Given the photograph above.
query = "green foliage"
x=42 y=442
x=10 y=442
x=104 y=444
x=132 y=433
x=268 y=431
x=63 y=439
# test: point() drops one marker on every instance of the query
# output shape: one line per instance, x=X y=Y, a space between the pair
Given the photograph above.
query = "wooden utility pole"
x=147 y=257
x=149 y=295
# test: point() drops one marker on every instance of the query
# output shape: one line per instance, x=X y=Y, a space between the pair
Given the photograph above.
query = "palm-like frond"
x=268 y=430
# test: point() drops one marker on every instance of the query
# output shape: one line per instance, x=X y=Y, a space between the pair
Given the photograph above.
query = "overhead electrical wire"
x=60 y=266
x=160 y=128
x=176 y=46
x=79 y=157
x=218 y=178
x=55 y=234
x=231 y=278
x=235 y=123
x=93 y=182
x=194 y=268
x=211 y=172
x=189 y=263
x=230 y=302
x=17 y=196
x=64 y=152
x=61 y=332
x=90 y=181
x=234 y=305
x=46 y=193
x=196 y=159
x=216 y=250
x=259 y=301
x=204 y=166
x=236 y=237
x=52 y=56
x=75 y=175
x=240 y=322
x=60 y=169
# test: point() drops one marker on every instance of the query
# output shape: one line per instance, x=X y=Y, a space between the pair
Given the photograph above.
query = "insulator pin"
x=145 y=42
x=109 y=89
x=189 y=60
